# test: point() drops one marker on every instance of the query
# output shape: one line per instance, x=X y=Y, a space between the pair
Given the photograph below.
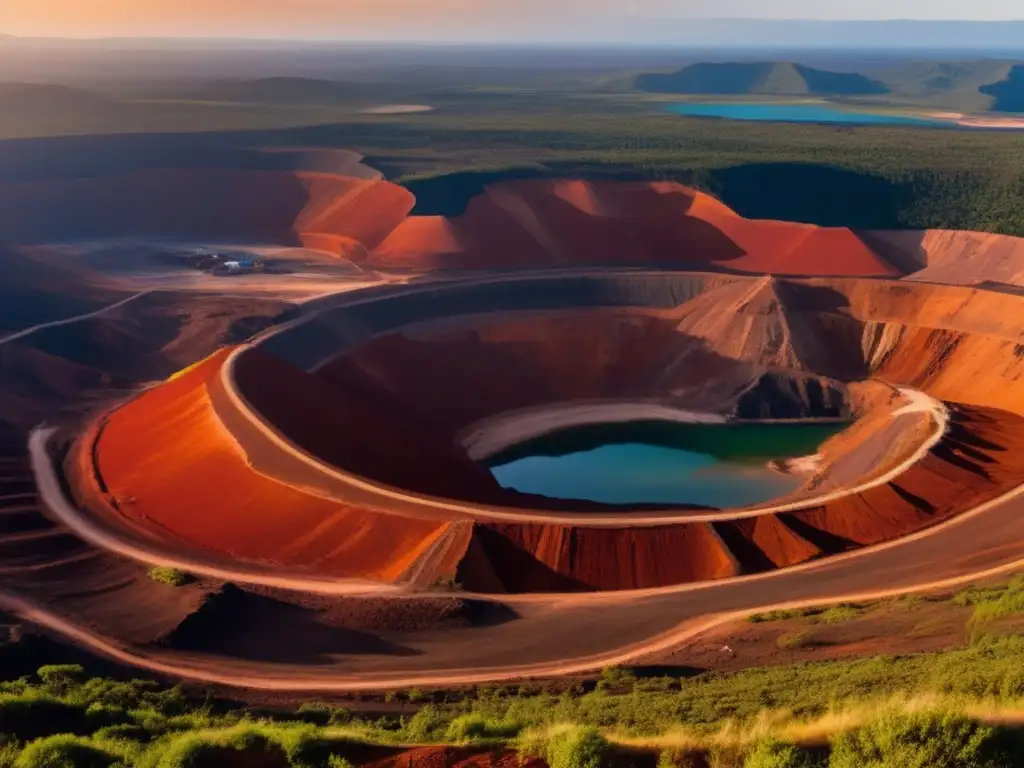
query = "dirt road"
x=69 y=320
x=563 y=634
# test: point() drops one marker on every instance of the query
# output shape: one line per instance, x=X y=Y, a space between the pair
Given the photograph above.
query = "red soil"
x=561 y=223
x=563 y=558
x=347 y=422
x=980 y=458
x=514 y=224
x=446 y=380
x=170 y=467
x=452 y=757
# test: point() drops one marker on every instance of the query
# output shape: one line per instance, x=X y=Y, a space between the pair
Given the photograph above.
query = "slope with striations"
x=564 y=223
x=170 y=468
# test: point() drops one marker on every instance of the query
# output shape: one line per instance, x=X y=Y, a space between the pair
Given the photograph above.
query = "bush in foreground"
x=579 y=747
x=922 y=740
x=172 y=577
x=66 y=751
x=776 y=754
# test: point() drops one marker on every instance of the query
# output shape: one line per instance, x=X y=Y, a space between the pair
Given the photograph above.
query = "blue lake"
x=716 y=465
x=799 y=113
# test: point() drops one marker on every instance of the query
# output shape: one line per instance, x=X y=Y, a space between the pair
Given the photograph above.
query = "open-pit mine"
x=316 y=447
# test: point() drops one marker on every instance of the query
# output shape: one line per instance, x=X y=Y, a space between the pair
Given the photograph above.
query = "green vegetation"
x=757 y=718
x=992 y=603
x=799 y=715
x=772 y=753
x=872 y=177
x=793 y=640
x=172 y=577
x=924 y=739
x=565 y=746
x=836 y=614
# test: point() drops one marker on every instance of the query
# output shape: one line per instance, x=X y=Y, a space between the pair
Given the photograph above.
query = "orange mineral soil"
x=181 y=464
x=169 y=466
x=564 y=223
x=394 y=408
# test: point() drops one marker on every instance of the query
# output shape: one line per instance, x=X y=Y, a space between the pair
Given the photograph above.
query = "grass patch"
x=794 y=640
x=172 y=577
x=837 y=614
x=840 y=614
x=992 y=603
x=932 y=740
x=733 y=718
x=772 y=616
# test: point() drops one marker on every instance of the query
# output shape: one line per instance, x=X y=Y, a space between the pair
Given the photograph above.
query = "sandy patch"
x=493 y=435
x=396 y=109
x=1002 y=123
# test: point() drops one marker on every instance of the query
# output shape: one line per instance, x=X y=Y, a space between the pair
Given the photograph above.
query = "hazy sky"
x=442 y=19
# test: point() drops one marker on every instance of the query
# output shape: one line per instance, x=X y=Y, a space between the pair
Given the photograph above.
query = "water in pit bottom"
x=657 y=462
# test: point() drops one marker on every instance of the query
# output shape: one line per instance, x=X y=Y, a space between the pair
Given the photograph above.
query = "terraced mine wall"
x=382 y=383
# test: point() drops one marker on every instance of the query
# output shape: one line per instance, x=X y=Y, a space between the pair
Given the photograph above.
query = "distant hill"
x=1008 y=93
x=288 y=90
x=759 y=78
x=47 y=99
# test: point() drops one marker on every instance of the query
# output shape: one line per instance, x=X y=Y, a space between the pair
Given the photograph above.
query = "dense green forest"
x=872 y=177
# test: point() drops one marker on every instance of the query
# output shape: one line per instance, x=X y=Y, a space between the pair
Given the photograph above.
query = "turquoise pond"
x=799 y=113
x=656 y=462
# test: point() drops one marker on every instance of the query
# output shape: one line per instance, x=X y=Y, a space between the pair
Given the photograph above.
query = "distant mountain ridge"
x=760 y=78
x=48 y=97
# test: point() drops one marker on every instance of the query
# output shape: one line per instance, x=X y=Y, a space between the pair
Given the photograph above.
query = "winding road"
x=70 y=320
x=542 y=634
x=558 y=634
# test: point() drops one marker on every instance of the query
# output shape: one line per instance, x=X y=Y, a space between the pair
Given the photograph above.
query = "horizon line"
x=489 y=41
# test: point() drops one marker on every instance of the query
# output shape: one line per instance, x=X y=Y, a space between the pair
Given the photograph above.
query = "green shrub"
x=123 y=732
x=924 y=740
x=776 y=754
x=794 y=640
x=315 y=712
x=673 y=757
x=770 y=616
x=212 y=749
x=336 y=761
x=172 y=577
x=476 y=727
x=993 y=602
x=726 y=757
x=839 y=614
x=65 y=751
x=578 y=747
x=32 y=716
x=427 y=725
x=619 y=679
x=9 y=751
x=59 y=677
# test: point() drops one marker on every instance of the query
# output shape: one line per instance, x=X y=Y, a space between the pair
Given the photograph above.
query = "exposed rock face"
x=384 y=389
x=777 y=396
x=562 y=223
x=955 y=258
x=391 y=405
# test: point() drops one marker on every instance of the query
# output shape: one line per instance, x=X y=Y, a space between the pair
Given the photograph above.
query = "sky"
x=446 y=19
